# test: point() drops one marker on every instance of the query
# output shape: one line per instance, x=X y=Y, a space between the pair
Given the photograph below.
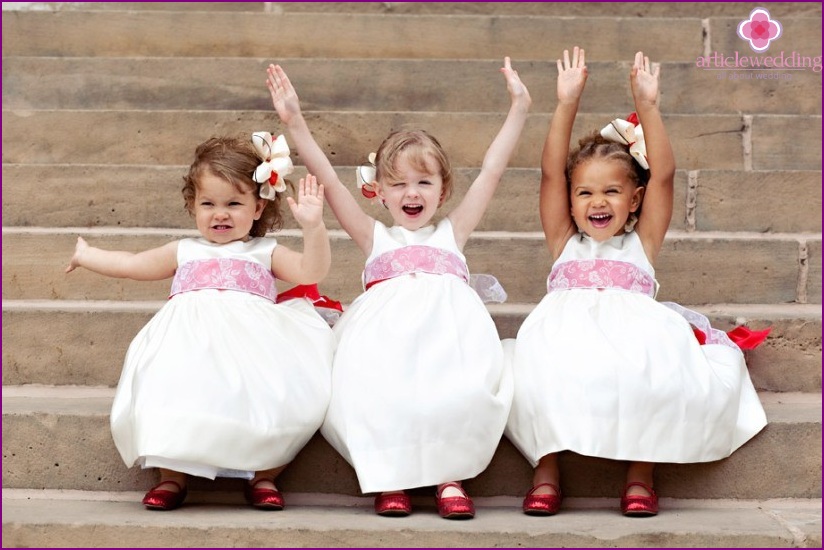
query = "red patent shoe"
x=163 y=499
x=393 y=504
x=454 y=507
x=639 y=505
x=542 y=505
x=264 y=498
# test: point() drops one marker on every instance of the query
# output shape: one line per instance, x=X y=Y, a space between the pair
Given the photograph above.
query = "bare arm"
x=556 y=218
x=351 y=216
x=312 y=265
x=656 y=209
x=466 y=216
x=151 y=265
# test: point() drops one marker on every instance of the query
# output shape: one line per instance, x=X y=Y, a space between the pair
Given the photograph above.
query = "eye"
x=205 y=203
x=583 y=193
x=424 y=182
x=235 y=203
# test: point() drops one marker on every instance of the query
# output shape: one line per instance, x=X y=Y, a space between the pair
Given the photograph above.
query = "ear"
x=260 y=204
x=637 y=198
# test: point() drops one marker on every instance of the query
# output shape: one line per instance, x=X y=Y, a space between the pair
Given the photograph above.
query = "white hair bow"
x=630 y=133
x=366 y=174
x=276 y=164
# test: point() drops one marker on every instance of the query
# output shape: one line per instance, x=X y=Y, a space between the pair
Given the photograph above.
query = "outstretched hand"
x=517 y=89
x=284 y=97
x=79 y=248
x=572 y=76
x=308 y=209
x=643 y=79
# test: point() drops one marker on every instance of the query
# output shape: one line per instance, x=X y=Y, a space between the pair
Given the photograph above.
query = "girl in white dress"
x=419 y=396
x=601 y=368
x=223 y=380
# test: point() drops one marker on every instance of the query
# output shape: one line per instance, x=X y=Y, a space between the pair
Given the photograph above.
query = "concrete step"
x=719 y=142
x=83 y=342
x=58 y=437
x=374 y=85
x=693 y=268
x=195 y=33
x=705 y=200
x=40 y=519
x=600 y=9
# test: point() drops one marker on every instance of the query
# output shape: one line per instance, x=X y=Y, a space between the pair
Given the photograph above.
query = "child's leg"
x=640 y=472
x=546 y=472
x=451 y=489
x=453 y=502
x=261 y=491
x=170 y=475
x=169 y=493
x=265 y=479
x=639 y=498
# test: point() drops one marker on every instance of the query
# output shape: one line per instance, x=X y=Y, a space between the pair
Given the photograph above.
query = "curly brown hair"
x=418 y=146
x=234 y=160
x=595 y=146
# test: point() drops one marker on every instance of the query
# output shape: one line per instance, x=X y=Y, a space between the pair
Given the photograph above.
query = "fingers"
x=309 y=186
x=642 y=63
x=578 y=60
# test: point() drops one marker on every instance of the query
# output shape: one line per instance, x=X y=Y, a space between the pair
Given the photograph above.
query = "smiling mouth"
x=412 y=209
x=221 y=227
x=600 y=220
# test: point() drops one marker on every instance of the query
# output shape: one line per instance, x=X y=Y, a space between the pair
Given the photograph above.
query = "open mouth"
x=412 y=209
x=600 y=220
x=221 y=227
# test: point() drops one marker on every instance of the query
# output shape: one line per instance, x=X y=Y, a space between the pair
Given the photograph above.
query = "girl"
x=600 y=367
x=223 y=381
x=419 y=396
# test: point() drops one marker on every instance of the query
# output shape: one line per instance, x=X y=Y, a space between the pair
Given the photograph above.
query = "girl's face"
x=602 y=197
x=222 y=213
x=414 y=198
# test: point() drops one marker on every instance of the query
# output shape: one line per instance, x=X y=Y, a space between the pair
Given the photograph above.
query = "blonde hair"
x=418 y=146
x=234 y=160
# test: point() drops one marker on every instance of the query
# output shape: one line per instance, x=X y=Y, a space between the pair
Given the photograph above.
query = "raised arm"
x=312 y=265
x=466 y=216
x=151 y=265
x=656 y=209
x=351 y=216
x=556 y=218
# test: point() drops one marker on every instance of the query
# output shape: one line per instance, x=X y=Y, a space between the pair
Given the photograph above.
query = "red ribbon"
x=312 y=293
x=742 y=337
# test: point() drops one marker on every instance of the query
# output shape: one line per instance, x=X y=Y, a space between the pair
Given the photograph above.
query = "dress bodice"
x=397 y=251
x=618 y=263
x=243 y=266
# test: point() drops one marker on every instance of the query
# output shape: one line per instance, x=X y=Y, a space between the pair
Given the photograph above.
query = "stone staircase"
x=103 y=105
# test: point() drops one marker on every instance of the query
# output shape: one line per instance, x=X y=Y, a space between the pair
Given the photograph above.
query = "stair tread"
x=785 y=407
x=67 y=517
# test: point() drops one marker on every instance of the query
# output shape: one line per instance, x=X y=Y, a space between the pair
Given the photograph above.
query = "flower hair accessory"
x=629 y=133
x=276 y=164
x=366 y=174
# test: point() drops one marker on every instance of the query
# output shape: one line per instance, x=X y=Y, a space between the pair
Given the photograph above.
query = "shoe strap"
x=644 y=486
x=550 y=485
x=455 y=485
x=173 y=482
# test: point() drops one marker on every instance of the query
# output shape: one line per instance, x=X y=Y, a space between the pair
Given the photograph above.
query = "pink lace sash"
x=414 y=259
x=225 y=274
x=600 y=274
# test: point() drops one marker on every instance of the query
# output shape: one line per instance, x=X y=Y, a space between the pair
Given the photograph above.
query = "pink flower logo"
x=759 y=30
